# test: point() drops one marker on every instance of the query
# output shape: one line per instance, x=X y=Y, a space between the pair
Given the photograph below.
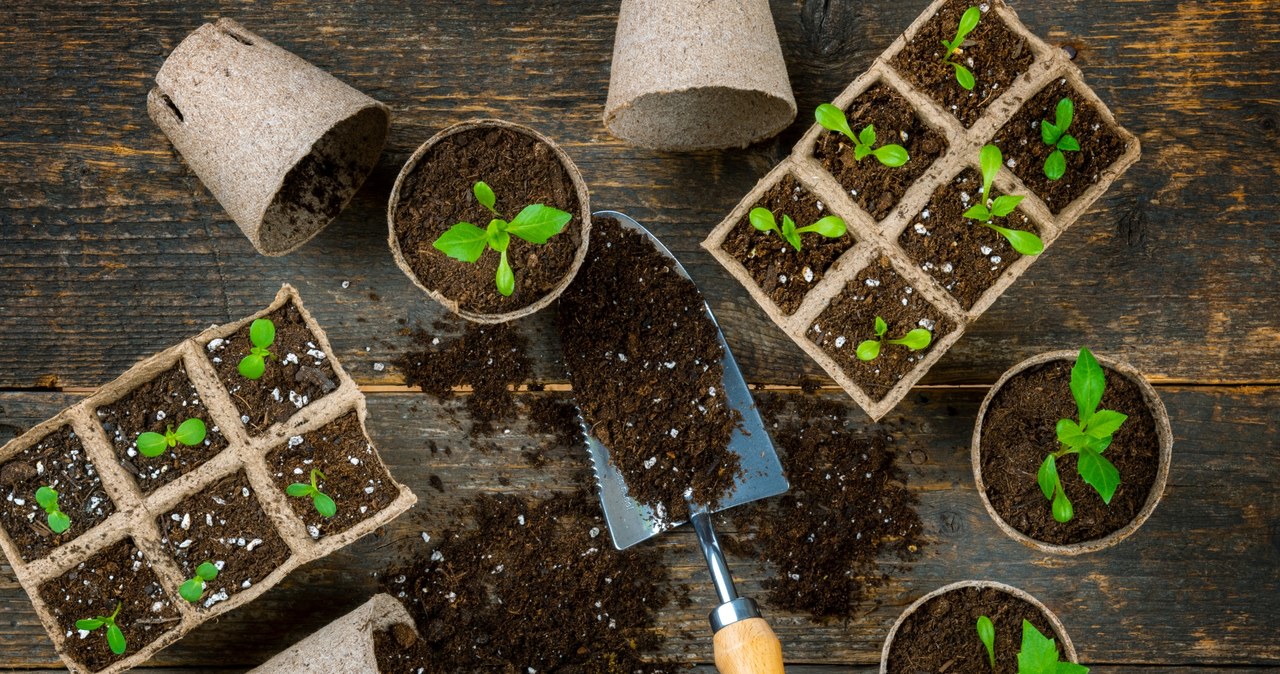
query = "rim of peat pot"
x=1064 y=639
x=1163 y=431
x=584 y=205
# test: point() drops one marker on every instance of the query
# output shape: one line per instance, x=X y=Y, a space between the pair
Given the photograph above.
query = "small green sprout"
x=47 y=497
x=193 y=589
x=1087 y=440
x=190 y=433
x=968 y=21
x=915 y=340
x=467 y=242
x=987 y=635
x=324 y=505
x=762 y=219
x=262 y=333
x=832 y=118
x=1054 y=134
x=988 y=209
x=115 y=638
x=1039 y=655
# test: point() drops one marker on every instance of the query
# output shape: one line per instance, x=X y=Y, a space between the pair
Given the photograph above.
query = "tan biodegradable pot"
x=1163 y=431
x=344 y=646
x=697 y=75
x=281 y=144
x=584 y=217
x=1068 y=650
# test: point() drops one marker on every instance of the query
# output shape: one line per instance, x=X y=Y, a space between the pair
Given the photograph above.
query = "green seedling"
x=915 y=340
x=833 y=119
x=193 y=589
x=48 y=499
x=1087 y=439
x=988 y=209
x=467 y=242
x=190 y=433
x=1054 y=134
x=262 y=333
x=1039 y=655
x=115 y=638
x=762 y=219
x=968 y=21
x=324 y=505
x=987 y=635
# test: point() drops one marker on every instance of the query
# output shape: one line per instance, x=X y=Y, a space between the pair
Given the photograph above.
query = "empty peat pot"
x=434 y=192
x=939 y=628
x=690 y=77
x=344 y=646
x=281 y=144
x=1016 y=430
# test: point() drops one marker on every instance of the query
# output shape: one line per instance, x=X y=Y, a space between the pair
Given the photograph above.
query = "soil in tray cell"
x=297 y=374
x=646 y=368
x=223 y=524
x=992 y=52
x=941 y=634
x=874 y=186
x=964 y=257
x=877 y=290
x=159 y=405
x=354 y=476
x=57 y=461
x=785 y=274
x=1025 y=151
x=119 y=575
x=1019 y=430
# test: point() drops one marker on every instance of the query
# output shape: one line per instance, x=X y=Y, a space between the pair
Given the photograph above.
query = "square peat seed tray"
x=122 y=531
x=909 y=256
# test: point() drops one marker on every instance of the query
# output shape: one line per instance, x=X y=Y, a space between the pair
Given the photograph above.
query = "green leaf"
x=762 y=219
x=968 y=21
x=1069 y=434
x=90 y=624
x=1064 y=114
x=58 y=521
x=497 y=236
x=252 y=366
x=537 y=223
x=324 y=505
x=915 y=340
x=1072 y=668
x=484 y=194
x=1039 y=654
x=1049 y=133
x=1047 y=476
x=1062 y=510
x=192 y=590
x=298 y=489
x=1087 y=384
x=868 y=350
x=832 y=118
x=1025 y=243
x=990 y=159
x=504 y=278
x=1055 y=165
x=789 y=232
x=191 y=432
x=1100 y=473
x=1103 y=423
x=881 y=327
x=262 y=332
x=154 y=444
x=207 y=571
x=1005 y=204
x=463 y=241
x=1069 y=143
x=978 y=212
x=987 y=635
x=831 y=227
x=861 y=151
x=891 y=155
x=115 y=639
x=867 y=136
x=47 y=497
x=963 y=76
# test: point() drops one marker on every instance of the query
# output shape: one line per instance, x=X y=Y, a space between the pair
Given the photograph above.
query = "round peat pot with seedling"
x=491 y=219
x=1071 y=451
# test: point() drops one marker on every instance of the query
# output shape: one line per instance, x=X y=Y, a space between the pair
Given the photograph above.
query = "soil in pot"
x=646 y=369
x=874 y=186
x=940 y=635
x=119 y=575
x=354 y=476
x=992 y=52
x=877 y=290
x=962 y=255
x=154 y=407
x=225 y=525
x=298 y=374
x=785 y=274
x=1025 y=151
x=436 y=195
x=1019 y=430
x=58 y=461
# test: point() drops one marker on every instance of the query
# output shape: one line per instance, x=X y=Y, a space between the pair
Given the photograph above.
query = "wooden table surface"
x=110 y=249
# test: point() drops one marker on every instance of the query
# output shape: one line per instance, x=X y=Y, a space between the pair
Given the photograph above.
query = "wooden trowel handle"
x=748 y=647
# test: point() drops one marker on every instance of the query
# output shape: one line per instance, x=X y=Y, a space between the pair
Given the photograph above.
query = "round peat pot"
x=948 y=616
x=1005 y=468
x=434 y=192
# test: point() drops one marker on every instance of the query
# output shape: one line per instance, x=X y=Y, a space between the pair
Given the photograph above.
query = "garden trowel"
x=744 y=643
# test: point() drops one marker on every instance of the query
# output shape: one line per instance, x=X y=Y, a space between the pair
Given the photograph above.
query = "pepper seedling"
x=833 y=119
x=262 y=334
x=968 y=21
x=193 y=589
x=47 y=497
x=115 y=638
x=915 y=340
x=987 y=635
x=762 y=219
x=1039 y=655
x=190 y=433
x=1087 y=439
x=466 y=242
x=324 y=505
x=1054 y=134
x=988 y=209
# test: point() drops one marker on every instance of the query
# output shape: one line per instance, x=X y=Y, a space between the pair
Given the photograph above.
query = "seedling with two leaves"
x=115 y=637
x=1054 y=134
x=968 y=21
x=466 y=242
x=190 y=433
x=262 y=334
x=988 y=209
x=1038 y=655
x=47 y=498
x=323 y=503
x=193 y=589
x=831 y=227
x=915 y=340
x=832 y=118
